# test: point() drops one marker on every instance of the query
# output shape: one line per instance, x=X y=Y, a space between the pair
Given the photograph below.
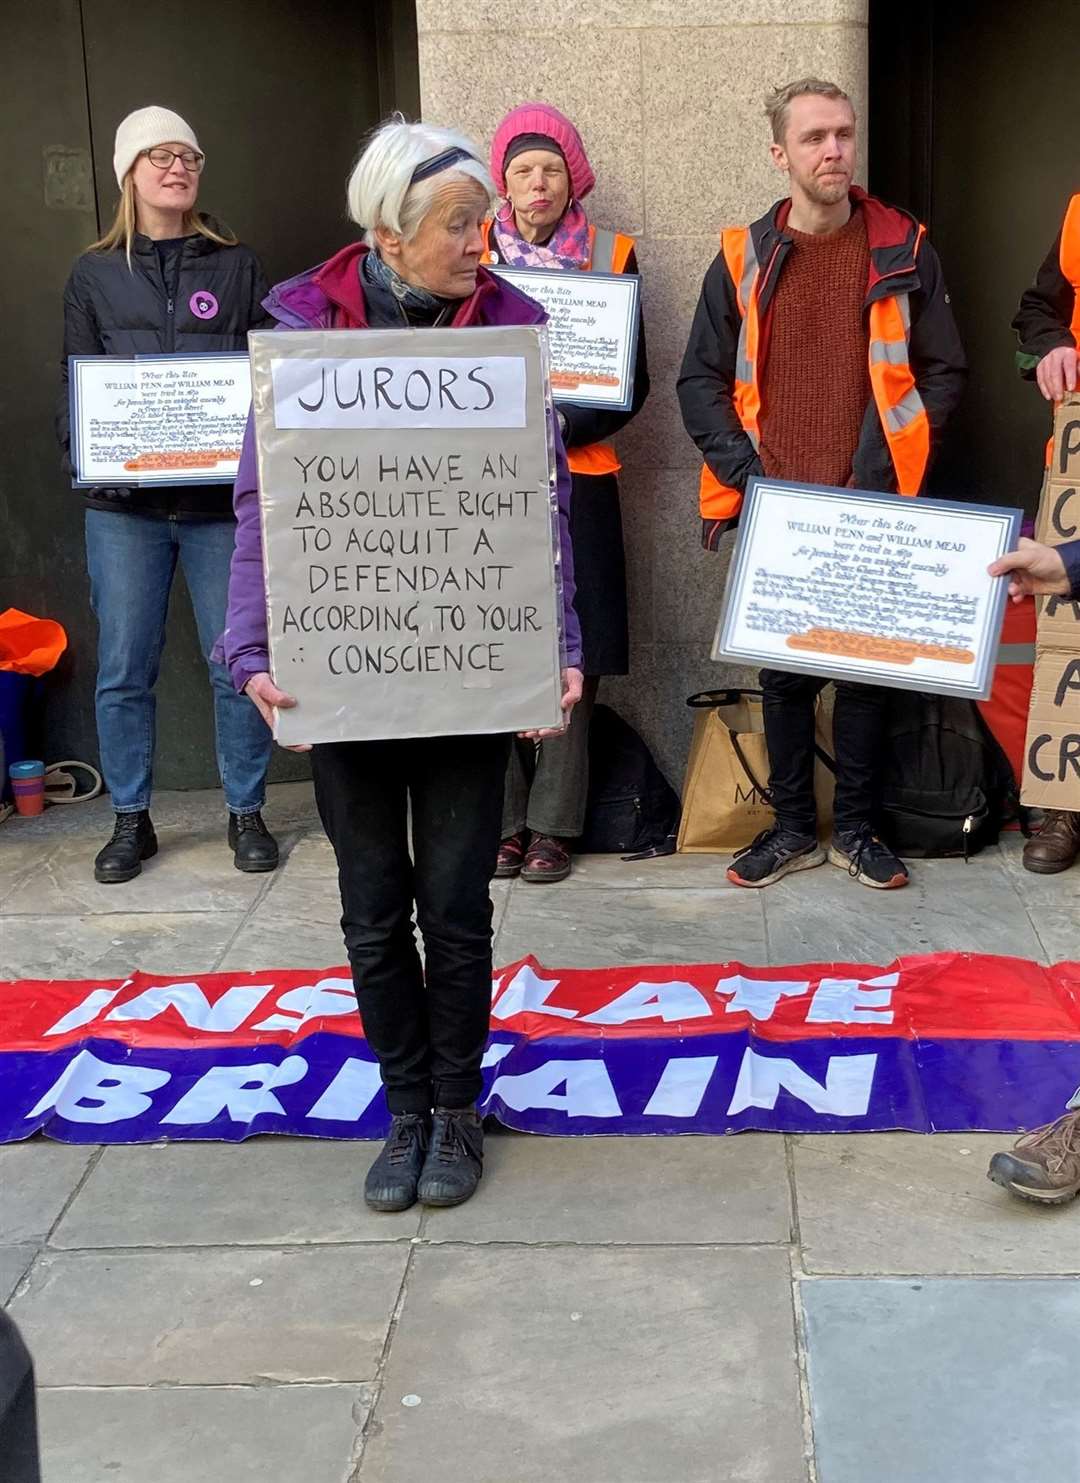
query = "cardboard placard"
x=410 y=531
x=1052 y=764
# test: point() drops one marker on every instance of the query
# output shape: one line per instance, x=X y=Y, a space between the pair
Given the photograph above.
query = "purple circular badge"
x=203 y=304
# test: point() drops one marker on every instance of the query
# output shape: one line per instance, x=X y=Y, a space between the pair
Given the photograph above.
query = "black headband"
x=439 y=163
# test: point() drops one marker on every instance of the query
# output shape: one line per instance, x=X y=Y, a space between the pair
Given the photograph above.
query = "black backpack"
x=946 y=785
x=632 y=809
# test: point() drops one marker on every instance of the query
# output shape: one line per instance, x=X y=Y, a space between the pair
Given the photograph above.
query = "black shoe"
x=455 y=1159
x=133 y=841
x=254 y=847
x=867 y=860
x=775 y=853
x=391 y=1181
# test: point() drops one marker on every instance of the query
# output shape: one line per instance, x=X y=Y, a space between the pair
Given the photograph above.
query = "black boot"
x=254 y=847
x=391 y=1180
x=455 y=1159
x=133 y=841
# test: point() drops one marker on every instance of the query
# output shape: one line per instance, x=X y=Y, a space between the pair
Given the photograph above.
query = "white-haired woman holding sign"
x=422 y=195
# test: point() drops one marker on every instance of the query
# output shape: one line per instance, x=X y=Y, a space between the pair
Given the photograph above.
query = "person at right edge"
x=1047 y=324
x=823 y=350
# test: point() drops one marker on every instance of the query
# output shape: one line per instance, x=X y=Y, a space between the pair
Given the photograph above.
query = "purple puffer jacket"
x=327 y=297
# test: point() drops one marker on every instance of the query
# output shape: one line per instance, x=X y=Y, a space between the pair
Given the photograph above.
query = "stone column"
x=668 y=96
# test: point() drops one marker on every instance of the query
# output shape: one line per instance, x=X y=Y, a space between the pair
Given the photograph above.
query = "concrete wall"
x=668 y=97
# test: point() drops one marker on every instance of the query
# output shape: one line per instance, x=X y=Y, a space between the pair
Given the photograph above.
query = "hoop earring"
x=499 y=217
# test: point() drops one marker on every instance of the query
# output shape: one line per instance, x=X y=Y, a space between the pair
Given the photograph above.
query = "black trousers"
x=858 y=729
x=18 y=1409
x=427 y=1025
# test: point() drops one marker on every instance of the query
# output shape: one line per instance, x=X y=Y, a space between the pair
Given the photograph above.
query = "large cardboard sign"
x=1052 y=768
x=409 y=522
x=855 y=585
x=157 y=419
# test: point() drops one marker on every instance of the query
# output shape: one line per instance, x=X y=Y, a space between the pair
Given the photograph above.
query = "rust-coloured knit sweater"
x=815 y=385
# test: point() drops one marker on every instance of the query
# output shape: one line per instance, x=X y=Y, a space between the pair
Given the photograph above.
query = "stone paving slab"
x=591 y=1366
x=270 y=940
x=224 y=1316
x=37 y=1178
x=14 y=1262
x=943 y=1380
x=824 y=916
x=210 y=1434
x=667 y=873
x=112 y=946
x=625 y=1190
x=190 y=872
x=594 y=927
x=271 y=1190
x=904 y=1202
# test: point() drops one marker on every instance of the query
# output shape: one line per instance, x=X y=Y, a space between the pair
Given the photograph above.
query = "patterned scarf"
x=567 y=247
x=393 y=300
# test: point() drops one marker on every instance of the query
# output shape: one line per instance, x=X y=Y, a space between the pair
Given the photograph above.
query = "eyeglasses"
x=162 y=159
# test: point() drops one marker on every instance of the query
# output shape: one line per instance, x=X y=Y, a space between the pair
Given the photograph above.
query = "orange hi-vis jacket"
x=895 y=444
x=609 y=252
x=1069 y=255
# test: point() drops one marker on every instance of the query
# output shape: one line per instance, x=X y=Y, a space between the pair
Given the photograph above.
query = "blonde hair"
x=122 y=231
x=380 y=192
x=778 y=103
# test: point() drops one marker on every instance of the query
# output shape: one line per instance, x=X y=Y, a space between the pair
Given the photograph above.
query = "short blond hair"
x=778 y=103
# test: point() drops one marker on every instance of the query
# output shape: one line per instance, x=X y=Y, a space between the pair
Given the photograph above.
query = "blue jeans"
x=131 y=560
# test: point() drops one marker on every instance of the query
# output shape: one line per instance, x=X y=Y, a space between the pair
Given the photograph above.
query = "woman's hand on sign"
x=1033 y=569
x=1056 y=373
x=267 y=698
x=572 y=682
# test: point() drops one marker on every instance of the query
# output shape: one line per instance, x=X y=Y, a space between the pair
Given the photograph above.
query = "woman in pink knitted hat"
x=540 y=167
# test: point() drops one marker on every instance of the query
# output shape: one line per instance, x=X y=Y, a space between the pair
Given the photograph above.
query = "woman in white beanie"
x=164 y=278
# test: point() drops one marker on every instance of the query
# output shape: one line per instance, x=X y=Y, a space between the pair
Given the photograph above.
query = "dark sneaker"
x=547 y=859
x=254 y=847
x=1044 y=1165
x=391 y=1181
x=867 y=860
x=511 y=856
x=1056 y=845
x=455 y=1159
x=133 y=841
x=775 y=853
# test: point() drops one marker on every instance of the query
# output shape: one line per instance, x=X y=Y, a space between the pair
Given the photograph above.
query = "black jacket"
x=1045 y=314
x=111 y=309
x=899 y=263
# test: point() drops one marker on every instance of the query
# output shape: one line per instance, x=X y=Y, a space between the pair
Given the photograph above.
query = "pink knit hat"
x=541 y=118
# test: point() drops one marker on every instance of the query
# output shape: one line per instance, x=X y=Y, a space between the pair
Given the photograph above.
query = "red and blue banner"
x=949 y=1042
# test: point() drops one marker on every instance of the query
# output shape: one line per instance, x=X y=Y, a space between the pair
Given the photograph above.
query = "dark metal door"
x=973 y=128
x=280 y=97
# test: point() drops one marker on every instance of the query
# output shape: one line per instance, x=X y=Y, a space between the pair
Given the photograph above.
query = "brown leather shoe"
x=1044 y=1165
x=547 y=859
x=1056 y=845
x=511 y=856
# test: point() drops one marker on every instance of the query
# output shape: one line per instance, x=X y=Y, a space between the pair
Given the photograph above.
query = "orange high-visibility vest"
x=609 y=252
x=1069 y=258
x=900 y=407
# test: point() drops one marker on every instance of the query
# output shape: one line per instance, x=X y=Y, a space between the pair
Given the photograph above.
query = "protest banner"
x=855 y=585
x=1052 y=759
x=592 y=332
x=409 y=523
x=946 y=1041
x=157 y=419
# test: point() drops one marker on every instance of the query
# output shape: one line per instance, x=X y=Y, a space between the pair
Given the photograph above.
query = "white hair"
x=380 y=192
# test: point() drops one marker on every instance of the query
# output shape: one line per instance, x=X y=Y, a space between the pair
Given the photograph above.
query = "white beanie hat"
x=144 y=129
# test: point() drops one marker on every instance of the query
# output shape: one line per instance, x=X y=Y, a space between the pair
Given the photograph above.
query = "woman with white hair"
x=422 y=195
